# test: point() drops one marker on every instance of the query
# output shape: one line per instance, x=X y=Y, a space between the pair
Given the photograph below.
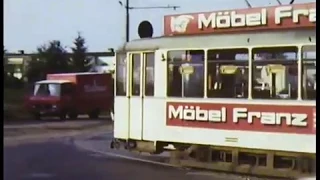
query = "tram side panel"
x=121 y=117
x=160 y=74
x=170 y=128
x=158 y=126
x=151 y=105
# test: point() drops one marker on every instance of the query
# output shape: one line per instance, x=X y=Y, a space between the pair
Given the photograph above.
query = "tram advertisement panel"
x=240 y=20
x=249 y=117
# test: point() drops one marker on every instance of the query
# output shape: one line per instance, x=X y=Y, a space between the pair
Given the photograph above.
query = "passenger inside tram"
x=185 y=73
x=309 y=83
x=277 y=67
x=274 y=73
x=228 y=73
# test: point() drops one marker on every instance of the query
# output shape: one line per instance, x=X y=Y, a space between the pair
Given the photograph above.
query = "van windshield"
x=46 y=89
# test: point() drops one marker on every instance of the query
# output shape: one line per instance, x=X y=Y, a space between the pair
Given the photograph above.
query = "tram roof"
x=222 y=40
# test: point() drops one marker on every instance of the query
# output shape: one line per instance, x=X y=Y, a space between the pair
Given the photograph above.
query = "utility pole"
x=279 y=2
x=128 y=8
x=248 y=4
x=127 y=21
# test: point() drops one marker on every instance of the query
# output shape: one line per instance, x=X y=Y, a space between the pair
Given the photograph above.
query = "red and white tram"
x=231 y=90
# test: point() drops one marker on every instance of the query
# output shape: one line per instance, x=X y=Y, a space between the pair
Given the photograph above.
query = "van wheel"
x=73 y=115
x=37 y=116
x=94 y=114
x=62 y=116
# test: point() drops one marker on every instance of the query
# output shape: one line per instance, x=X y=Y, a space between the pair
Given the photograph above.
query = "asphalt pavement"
x=59 y=159
x=55 y=124
x=87 y=156
x=34 y=131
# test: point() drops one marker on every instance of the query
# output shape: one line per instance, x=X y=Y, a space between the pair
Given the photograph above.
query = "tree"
x=5 y=62
x=51 y=58
x=5 y=59
x=55 y=58
x=79 y=57
x=35 y=70
x=6 y=67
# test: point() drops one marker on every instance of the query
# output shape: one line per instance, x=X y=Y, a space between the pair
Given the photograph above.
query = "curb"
x=117 y=155
x=57 y=124
x=7 y=141
x=55 y=127
x=89 y=126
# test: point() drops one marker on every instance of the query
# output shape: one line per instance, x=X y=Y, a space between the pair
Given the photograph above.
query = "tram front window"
x=185 y=73
x=277 y=68
x=228 y=73
x=309 y=83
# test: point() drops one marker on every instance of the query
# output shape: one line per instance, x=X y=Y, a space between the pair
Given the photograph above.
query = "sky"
x=31 y=23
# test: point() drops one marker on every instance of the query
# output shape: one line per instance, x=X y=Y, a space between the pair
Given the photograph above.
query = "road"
x=88 y=157
x=62 y=159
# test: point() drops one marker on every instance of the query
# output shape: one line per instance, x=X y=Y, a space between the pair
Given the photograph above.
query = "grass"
x=13 y=96
x=13 y=104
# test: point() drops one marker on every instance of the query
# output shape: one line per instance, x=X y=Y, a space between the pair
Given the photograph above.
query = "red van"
x=72 y=94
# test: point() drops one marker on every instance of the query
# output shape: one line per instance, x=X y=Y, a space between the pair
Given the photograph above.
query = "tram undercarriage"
x=229 y=159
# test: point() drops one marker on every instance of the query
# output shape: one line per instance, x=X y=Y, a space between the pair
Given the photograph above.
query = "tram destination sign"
x=241 y=20
x=249 y=117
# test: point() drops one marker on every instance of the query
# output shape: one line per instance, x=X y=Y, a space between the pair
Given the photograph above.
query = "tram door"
x=122 y=94
x=135 y=95
x=141 y=84
x=134 y=81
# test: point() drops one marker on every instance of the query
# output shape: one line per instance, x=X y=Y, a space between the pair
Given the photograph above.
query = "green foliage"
x=79 y=58
x=12 y=82
x=5 y=59
x=13 y=108
x=13 y=96
x=35 y=69
x=55 y=57
x=52 y=58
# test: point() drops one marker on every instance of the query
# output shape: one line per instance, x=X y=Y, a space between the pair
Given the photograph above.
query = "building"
x=103 y=64
x=16 y=63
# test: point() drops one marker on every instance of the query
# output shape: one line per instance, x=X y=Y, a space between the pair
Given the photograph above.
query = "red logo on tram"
x=253 y=19
x=250 y=117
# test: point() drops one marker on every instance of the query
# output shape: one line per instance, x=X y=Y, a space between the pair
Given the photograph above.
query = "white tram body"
x=251 y=91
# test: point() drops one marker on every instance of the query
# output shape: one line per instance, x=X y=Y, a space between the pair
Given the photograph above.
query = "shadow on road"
x=84 y=118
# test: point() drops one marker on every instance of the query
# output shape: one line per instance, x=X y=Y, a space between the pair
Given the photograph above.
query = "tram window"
x=228 y=73
x=149 y=74
x=121 y=75
x=275 y=73
x=309 y=83
x=185 y=73
x=136 y=74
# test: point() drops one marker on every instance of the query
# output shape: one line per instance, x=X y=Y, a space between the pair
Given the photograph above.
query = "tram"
x=229 y=90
